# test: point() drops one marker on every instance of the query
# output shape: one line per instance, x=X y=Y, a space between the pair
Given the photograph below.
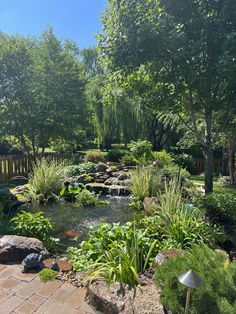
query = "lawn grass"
x=199 y=180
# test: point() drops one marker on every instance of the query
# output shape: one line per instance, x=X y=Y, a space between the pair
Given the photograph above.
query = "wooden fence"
x=218 y=166
x=19 y=165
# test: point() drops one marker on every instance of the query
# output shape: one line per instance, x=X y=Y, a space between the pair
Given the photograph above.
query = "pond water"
x=71 y=221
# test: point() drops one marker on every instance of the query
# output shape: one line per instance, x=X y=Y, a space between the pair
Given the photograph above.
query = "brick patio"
x=25 y=293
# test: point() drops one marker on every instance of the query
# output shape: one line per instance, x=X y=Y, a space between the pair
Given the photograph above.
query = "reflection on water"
x=71 y=221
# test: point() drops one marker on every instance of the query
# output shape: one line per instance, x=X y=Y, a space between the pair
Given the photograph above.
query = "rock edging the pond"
x=13 y=249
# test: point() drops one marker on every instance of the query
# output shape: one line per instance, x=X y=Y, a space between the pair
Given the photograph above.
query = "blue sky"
x=73 y=19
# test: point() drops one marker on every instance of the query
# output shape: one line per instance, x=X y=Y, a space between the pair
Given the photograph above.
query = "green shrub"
x=218 y=295
x=179 y=225
x=141 y=150
x=145 y=182
x=87 y=198
x=162 y=158
x=46 y=177
x=116 y=154
x=125 y=261
x=115 y=252
x=128 y=160
x=185 y=161
x=220 y=207
x=32 y=225
x=47 y=274
x=76 y=170
x=95 y=157
x=172 y=171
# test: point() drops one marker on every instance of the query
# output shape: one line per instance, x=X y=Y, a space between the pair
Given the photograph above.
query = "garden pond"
x=71 y=221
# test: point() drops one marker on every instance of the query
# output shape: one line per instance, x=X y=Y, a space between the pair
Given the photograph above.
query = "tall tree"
x=183 y=46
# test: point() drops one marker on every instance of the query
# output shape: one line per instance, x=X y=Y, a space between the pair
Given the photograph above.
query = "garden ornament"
x=32 y=261
x=54 y=265
x=191 y=280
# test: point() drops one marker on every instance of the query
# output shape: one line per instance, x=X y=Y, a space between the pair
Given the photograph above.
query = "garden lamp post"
x=191 y=280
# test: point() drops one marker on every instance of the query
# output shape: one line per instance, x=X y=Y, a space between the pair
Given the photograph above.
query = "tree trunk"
x=208 y=156
x=231 y=160
x=208 y=150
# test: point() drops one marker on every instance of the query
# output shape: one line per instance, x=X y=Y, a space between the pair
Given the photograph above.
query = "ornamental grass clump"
x=46 y=177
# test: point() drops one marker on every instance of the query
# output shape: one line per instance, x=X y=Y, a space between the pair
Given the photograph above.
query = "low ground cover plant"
x=115 y=155
x=47 y=274
x=218 y=295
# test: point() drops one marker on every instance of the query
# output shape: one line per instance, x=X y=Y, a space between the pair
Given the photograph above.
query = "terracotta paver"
x=77 y=298
x=49 y=288
x=37 y=299
x=29 y=289
x=10 y=283
x=61 y=295
x=25 y=294
x=10 y=304
x=4 y=295
x=27 y=307
x=51 y=307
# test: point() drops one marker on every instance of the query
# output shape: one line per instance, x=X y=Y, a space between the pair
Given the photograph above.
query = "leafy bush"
x=128 y=160
x=47 y=274
x=95 y=157
x=162 y=158
x=76 y=170
x=145 y=181
x=218 y=295
x=219 y=206
x=32 y=225
x=141 y=150
x=178 y=225
x=87 y=198
x=46 y=177
x=172 y=171
x=185 y=161
x=101 y=240
x=116 y=154
x=124 y=262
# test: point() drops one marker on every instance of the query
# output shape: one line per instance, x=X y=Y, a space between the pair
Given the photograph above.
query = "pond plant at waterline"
x=174 y=225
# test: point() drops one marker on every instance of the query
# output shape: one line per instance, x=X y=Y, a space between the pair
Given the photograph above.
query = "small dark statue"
x=32 y=261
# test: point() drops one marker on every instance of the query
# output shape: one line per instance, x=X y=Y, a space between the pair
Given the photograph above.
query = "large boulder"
x=101 y=167
x=150 y=205
x=15 y=248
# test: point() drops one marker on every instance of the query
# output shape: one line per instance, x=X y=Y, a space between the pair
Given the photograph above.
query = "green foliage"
x=141 y=150
x=47 y=274
x=75 y=170
x=95 y=157
x=162 y=158
x=125 y=261
x=38 y=77
x=87 y=198
x=104 y=239
x=219 y=206
x=128 y=160
x=115 y=155
x=145 y=181
x=32 y=225
x=173 y=171
x=185 y=161
x=179 y=225
x=46 y=177
x=218 y=293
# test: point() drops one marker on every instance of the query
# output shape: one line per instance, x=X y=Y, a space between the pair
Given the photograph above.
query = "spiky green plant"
x=46 y=177
x=145 y=181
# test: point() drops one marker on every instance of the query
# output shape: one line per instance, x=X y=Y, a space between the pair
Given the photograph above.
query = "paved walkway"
x=25 y=293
